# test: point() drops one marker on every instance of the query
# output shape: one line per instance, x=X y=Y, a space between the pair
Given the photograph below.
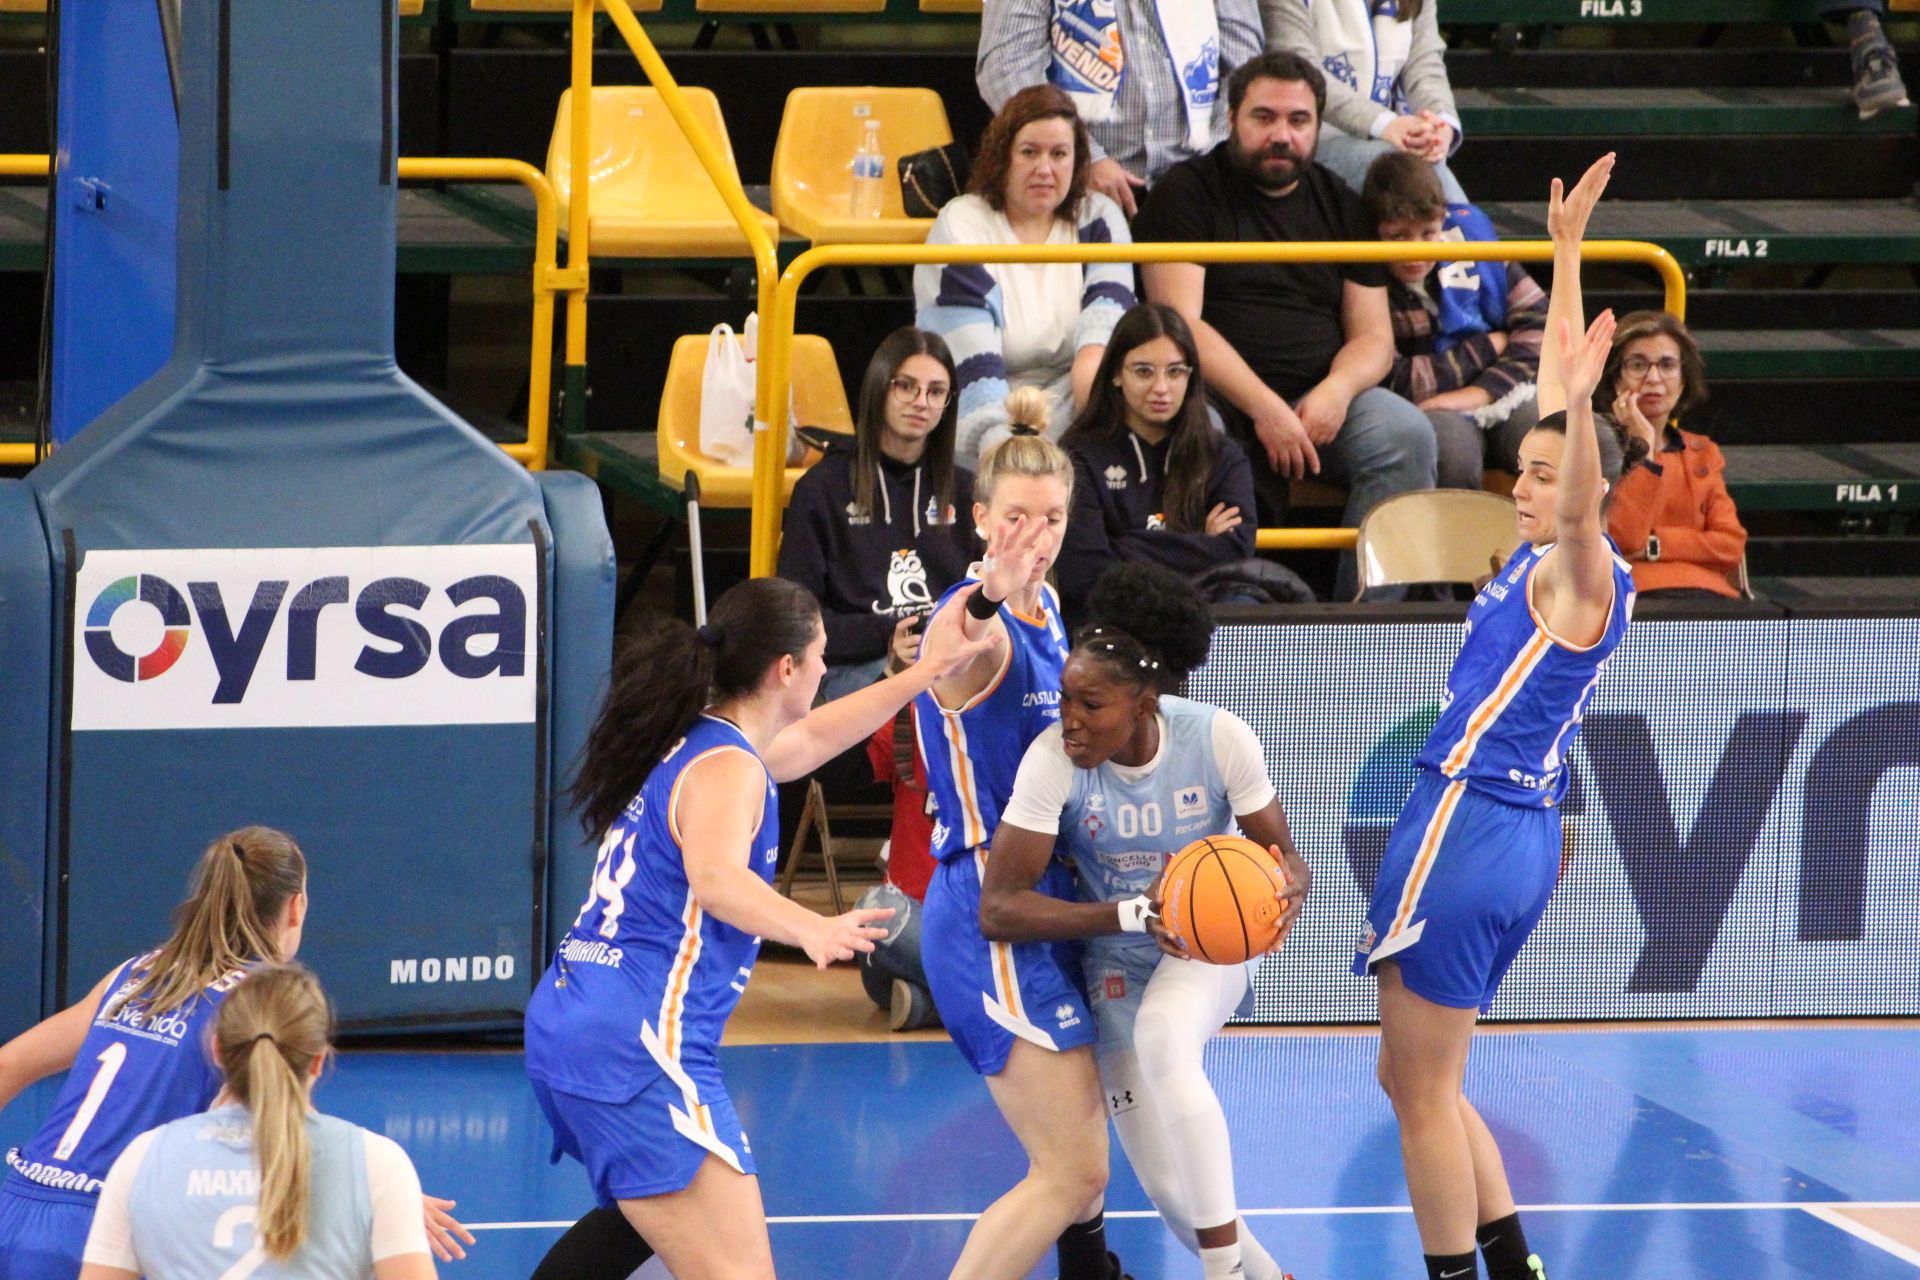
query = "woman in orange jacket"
x=1672 y=516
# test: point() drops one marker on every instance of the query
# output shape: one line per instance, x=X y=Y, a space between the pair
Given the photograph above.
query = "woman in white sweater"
x=1029 y=325
x=1386 y=81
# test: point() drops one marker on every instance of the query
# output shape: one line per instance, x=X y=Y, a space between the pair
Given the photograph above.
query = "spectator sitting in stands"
x=1387 y=86
x=1033 y=324
x=1296 y=349
x=1154 y=480
x=872 y=529
x=1672 y=516
x=1139 y=71
x=1466 y=335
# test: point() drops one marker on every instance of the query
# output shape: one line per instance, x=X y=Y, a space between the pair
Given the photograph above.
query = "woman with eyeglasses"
x=872 y=528
x=1153 y=480
x=1672 y=516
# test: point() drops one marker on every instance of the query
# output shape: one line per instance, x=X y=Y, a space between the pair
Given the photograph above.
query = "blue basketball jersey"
x=973 y=753
x=1515 y=695
x=1120 y=825
x=194 y=1202
x=133 y=1073
x=645 y=976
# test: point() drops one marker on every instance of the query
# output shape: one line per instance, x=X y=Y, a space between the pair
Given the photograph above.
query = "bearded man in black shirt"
x=1294 y=352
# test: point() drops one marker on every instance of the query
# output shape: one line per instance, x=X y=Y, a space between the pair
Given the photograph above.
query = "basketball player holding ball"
x=1130 y=775
x=1474 y=856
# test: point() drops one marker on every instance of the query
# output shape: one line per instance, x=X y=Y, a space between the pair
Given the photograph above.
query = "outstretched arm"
x=1567 y=215
x=1573 y=588
x=50 y=1046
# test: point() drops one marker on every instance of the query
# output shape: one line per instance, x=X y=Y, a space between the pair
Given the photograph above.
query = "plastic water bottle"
x=869 y=173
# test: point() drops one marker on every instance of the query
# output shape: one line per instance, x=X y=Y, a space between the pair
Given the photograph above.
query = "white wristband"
x=1135 y=912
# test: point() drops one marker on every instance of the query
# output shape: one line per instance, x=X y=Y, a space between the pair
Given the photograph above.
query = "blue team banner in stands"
x=1739 y=836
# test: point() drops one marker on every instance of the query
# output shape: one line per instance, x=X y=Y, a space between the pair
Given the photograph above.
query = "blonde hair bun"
x=1029 y=407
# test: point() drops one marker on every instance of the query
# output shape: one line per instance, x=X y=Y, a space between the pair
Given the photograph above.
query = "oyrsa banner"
x=304 y=637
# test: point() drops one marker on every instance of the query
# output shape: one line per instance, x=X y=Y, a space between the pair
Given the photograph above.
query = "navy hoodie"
x=869 y=571
x=1119 y=488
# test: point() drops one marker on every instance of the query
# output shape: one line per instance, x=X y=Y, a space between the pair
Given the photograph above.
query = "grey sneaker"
x=912 y=1008
x=1877 y=85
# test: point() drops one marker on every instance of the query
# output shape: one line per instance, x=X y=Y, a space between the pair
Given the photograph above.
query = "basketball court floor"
x=1723 y=1153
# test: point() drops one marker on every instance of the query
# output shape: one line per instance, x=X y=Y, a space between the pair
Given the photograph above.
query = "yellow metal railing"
x=547 y=281
x=777 y=324
x=724 y=180
x=17 y=454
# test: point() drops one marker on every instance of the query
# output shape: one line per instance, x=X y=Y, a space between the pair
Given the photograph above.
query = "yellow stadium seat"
x=412 y=8
x=23 y=6
x=551 y=6
x=1434 y=535
x=813 y=169
x=819 y=400
x=651 y=198
x=949 y=6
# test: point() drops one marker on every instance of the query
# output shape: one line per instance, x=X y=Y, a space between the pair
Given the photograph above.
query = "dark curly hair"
x=1148 y=623
x=990 y=167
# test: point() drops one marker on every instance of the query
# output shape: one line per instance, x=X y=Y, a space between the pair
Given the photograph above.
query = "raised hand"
x=1568 y=211
x=944 y=648
x=831 y=938
x=1012 y=552
x=1582 y=362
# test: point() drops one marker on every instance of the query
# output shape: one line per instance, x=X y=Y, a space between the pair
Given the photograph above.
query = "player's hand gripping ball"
x=1222 y=898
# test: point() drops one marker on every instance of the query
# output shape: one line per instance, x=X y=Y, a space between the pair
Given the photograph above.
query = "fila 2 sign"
x=304 y=637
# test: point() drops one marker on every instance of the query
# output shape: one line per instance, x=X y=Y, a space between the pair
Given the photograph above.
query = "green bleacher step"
x=1811 y=353
x=1824 y=477
x=1616 y=113
x=625 y=462
x=1578 y=12
x=1742 y=232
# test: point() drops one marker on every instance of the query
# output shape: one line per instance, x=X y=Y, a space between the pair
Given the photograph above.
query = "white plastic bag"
x=726 y=396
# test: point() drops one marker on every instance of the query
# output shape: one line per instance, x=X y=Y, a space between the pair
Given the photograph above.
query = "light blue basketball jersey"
x=973 y=753
x=194 y=1203
x=133 y=1073
x=645 y=976
x=1119 y=831
x=1515 y=695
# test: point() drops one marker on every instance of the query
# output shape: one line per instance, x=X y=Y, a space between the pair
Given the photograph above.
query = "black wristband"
x=978 y=606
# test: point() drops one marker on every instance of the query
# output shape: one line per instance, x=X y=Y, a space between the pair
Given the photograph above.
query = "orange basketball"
x=1221 y=896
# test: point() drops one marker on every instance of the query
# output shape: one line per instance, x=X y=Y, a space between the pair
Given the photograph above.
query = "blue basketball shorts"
x=43 y=1233
x=1462 y=883
x=654 y=1142
x=989 y=993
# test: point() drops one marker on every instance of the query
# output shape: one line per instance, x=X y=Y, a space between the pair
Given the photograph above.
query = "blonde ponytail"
x=272 y=1028
x=240 y=887
x=1026 y=452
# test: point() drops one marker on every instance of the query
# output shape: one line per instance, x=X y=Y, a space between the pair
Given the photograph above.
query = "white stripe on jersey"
x=1511 y=682
x=673 y=1000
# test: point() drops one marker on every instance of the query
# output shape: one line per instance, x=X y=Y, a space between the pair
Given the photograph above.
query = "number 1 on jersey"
x=111 y=1059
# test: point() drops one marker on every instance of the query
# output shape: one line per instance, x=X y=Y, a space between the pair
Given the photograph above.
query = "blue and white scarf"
x=1089 y=61
x=1364 y=45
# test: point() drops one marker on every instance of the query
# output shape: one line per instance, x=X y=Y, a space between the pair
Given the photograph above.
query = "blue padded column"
x=26 y=609
x=281 y=429
x=113 y=208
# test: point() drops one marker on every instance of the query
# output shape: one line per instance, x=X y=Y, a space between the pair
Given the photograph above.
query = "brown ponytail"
x=272 y=1029
x=238 y=891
